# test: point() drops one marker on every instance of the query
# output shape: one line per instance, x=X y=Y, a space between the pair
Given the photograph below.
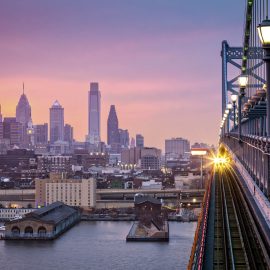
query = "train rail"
x=238 y=243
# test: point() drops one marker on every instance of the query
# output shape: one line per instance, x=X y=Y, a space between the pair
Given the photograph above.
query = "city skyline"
x=145 y=70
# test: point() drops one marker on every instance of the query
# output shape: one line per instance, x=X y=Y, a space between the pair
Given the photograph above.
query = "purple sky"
x=158 y=61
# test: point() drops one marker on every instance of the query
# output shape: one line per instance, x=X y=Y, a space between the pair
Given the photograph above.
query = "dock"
x=140 y=233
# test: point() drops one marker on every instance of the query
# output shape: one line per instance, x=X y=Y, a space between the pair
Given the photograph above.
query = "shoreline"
x=107 y=218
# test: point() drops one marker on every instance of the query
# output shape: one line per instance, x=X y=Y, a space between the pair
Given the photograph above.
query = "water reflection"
x=100 y=245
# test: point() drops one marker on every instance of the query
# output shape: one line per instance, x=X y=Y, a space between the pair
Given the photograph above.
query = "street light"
x=234 y=98
x=243 y=81
x=199 y=152
x=264 y=34
x=229 y=107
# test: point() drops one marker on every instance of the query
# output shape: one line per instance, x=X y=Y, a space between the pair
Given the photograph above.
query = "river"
x=100 y=245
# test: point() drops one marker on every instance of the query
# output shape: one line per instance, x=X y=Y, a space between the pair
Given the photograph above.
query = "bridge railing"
x=198 y=247
x=254 y=154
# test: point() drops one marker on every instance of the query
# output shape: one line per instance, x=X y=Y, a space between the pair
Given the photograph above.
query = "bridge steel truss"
x=253 y=147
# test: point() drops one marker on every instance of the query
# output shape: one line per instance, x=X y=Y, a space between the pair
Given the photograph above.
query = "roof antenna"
x=23 y=87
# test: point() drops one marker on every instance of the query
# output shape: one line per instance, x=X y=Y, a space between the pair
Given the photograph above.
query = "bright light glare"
x=220 y=160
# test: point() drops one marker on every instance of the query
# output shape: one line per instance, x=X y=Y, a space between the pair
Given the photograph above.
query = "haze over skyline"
x=157 y=61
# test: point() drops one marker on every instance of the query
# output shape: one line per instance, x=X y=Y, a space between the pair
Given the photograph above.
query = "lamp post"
x=234 y=98
x=229 y=107
x=224 y=120
x=199 y=152
x=264 y=34
x=242 y=80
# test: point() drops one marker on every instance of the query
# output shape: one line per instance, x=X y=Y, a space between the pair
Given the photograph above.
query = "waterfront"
x=100 y=245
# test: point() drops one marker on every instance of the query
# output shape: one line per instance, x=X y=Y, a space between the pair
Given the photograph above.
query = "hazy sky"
x=158 y=61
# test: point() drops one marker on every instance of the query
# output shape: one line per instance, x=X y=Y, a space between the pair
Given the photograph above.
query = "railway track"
x=237 y=244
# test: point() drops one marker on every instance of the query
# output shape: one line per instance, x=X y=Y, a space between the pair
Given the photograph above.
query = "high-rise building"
x=124 y=137
x=30 y=135
x=177 y=148
x=93 y=114
x=1 y=126
x=23 y=116
x=12 y=130
x=41 y=134
x=132 y=143
x=130 y=156
x=1 y=118
x=56 y=122
x=68 y=133
x=150 y=158
x=1 y=131
x=139 y=141
x=112 y=127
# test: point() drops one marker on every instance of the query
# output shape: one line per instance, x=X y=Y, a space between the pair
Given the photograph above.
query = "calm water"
x=100 y=245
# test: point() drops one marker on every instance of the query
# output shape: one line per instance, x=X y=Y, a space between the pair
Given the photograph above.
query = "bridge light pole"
x=229 y=107
x=242 y=80
x=224 y=123
x=264 y=34
x=234 y=98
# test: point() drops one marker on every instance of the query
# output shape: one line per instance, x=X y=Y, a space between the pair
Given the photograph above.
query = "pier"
x=43 y=224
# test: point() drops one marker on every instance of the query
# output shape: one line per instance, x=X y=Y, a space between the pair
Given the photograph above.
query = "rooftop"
x=55 y=212
x=142 y=199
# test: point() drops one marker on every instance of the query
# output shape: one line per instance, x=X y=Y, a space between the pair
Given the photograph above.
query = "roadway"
x=150 y=191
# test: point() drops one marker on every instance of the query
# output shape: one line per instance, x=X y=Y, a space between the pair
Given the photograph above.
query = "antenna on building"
x=23 y=87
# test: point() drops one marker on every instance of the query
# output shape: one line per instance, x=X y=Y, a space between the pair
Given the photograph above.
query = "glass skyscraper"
x=56 y=122
x=93 y=114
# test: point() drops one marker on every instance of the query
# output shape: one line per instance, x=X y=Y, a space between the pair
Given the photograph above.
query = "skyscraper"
x=177 y=148
x=93 y=114
x=123 y=137
x=112 y=127
x=68 y=133
x=41 y=134
x=12 y=130
x=23 y=116
x=56 y=122
x=139 y=141
x=1 y=118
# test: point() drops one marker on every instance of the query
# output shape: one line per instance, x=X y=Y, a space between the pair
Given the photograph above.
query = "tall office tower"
x=1 y=131
x=12 y=130
x=139 y=141
x=112 y=127
x=177 y=148
x=1 y=118
x=68 y=133
x=93 y=114
x=23 y=116
x=41 y=134
x=124 y=137
x=56 y=122
x=1 y=126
